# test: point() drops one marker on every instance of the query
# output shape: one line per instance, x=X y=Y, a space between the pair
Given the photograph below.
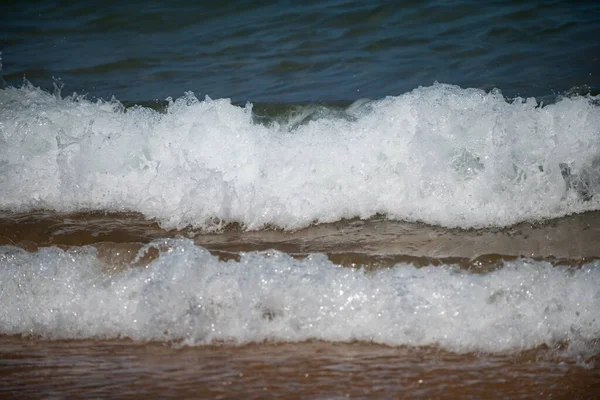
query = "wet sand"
x=311 y=370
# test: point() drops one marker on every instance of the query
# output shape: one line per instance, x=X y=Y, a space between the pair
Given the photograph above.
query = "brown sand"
x=311 y=370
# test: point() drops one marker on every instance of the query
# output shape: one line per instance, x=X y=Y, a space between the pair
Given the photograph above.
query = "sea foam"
x=186 y=295
x=440 y=154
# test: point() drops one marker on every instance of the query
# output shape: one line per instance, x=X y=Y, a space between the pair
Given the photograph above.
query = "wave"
x=188 y=296
x=441 y=155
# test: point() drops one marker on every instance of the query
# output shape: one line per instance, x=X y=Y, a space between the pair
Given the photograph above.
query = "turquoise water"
x=290 y=52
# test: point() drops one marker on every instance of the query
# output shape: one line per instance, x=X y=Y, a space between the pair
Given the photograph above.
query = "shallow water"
x=57 y=305
x=301 y=329
x=371 y=243
x=315 y=370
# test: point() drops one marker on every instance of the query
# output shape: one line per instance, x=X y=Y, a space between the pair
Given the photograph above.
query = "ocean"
x=300 y=200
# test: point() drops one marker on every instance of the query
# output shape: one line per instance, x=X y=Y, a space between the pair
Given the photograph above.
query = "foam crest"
x=187 y=295
x=440 y=154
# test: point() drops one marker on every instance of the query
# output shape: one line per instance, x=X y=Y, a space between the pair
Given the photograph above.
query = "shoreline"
x=572 y=240
x=289 y=370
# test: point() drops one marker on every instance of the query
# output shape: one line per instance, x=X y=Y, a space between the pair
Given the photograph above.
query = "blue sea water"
x=290 y=52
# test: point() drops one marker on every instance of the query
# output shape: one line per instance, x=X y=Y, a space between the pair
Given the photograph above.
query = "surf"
x=440 y=154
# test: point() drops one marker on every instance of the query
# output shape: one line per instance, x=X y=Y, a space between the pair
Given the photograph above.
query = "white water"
x=440 y=154
x=187 y=295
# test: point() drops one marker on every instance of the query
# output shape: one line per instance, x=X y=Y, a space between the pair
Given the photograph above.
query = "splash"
x=188 y=296
x=440 y=154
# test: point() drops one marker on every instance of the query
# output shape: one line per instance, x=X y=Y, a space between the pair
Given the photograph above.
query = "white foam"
x=189 y=296
x=440 y=154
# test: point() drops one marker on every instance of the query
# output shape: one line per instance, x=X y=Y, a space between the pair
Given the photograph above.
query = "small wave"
x=188 y=296
x=440 y=154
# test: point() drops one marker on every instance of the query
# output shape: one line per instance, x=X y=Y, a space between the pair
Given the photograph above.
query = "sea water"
x=225 y=127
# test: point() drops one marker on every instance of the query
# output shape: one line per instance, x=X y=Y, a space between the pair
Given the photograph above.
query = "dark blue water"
x=282 y=51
